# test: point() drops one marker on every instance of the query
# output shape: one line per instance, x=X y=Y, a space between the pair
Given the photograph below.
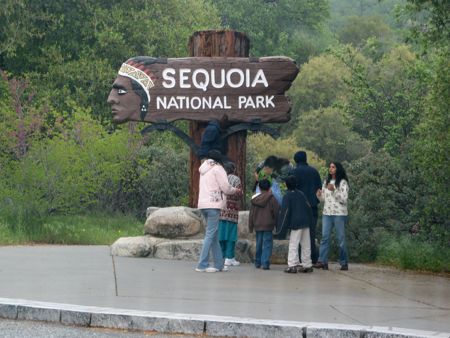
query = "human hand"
x=331 y=187
x=319 y=193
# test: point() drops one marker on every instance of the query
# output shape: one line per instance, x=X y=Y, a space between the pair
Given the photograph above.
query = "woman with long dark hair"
x=335 y=194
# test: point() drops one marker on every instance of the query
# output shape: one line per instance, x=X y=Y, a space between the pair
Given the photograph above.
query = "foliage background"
x=373 y=92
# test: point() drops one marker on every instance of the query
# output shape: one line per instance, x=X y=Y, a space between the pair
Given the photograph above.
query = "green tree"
x=357 y=29
x=320 y=82
x=279 y=27
x=327 y=132
x=385 y=104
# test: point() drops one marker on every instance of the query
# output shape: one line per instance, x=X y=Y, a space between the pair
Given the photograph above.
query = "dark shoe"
x=266 y=268
x=320 y=265
x=290 y=269
x=257 y=266
x=344 y=267
x=305 y=270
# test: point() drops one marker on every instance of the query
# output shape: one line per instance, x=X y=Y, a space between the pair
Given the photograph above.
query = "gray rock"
x=188 y=250
x=242 y=251
x=150 y=210
x=140 y=246
x=174 y=222
x=279 y=251
x=243 y=226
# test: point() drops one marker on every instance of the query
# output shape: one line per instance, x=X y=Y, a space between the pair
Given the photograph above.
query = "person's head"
x=291 y=182
x=264 y=185
x=271 y=162
x=130 y=94
x=215 y=155
x=229 y=167
x=300 y=157
x=336 y=171
x=282 y=167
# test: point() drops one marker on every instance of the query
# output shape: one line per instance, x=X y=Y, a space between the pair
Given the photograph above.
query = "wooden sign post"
x=217 y=43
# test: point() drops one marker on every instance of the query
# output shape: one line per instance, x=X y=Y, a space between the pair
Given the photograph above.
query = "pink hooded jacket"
x=214 y=186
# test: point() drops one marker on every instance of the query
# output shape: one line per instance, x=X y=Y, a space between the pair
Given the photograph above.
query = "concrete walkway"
x=90 y=276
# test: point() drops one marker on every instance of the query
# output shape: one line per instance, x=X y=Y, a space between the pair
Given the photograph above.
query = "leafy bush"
x=408 y=252
x=385 y=196
x=158 y=175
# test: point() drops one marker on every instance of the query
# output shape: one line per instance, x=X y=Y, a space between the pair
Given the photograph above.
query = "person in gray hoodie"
x=263 y=219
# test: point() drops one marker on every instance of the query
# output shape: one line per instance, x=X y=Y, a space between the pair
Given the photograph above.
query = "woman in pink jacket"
x=213 y=189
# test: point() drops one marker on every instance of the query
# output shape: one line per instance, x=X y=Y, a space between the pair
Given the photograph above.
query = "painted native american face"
x=123 y=100
x=130 y=94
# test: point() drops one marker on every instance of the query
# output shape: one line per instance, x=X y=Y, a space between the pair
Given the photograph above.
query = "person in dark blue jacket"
x=296 y=215
x=308 y=181
x=211 y=137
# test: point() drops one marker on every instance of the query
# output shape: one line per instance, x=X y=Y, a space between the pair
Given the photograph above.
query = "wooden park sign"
x=218 y=79
x=206 y=88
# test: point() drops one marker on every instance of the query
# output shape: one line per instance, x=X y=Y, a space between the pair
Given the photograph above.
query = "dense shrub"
x=409 y=252
x=385 y=197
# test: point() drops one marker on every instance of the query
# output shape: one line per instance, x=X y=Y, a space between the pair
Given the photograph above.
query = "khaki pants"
x=300 y=236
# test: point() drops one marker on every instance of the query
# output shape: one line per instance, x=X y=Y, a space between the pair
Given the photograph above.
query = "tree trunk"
x=217 y=43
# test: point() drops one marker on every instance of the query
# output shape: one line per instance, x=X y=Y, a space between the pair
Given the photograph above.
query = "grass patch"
x=409 y=253
x=81 y=229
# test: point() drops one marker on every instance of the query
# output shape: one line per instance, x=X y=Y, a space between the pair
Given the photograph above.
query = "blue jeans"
x=211 y=241
x=327 y=224
x=264 y=244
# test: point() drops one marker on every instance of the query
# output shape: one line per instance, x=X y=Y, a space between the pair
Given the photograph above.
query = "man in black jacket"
x=308 y=181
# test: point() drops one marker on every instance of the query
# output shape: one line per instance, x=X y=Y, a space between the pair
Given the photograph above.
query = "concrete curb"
x=164 y=322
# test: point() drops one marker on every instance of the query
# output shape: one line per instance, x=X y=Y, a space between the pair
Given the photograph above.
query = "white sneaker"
x=225 y=269
x=210 y=269
x=200 y=270
x=231 y=262
x=234 y=262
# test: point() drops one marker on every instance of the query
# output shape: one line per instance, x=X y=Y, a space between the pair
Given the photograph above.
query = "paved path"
x=88 y=275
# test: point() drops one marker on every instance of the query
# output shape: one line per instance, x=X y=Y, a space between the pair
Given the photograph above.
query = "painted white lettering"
x=249 y=103
x=206 y=102
x=184 y=77
x=217 y=103
x=169 y=80
x=260 y=77
x=260 y=101
x=197 y=104
x=240 y=74
x=247 y=77
x=172 y=103
x=269 y=101
x=214 y=82
x=202 y=84
x=161 y=102
x=241 y=101
x=225 y=103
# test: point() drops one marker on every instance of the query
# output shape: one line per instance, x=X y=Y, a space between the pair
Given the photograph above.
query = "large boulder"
x=174 y=222
x=140 y=246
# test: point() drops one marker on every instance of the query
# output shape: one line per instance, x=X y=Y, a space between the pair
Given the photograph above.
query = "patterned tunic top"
x=231 y=211
x=336 y=200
